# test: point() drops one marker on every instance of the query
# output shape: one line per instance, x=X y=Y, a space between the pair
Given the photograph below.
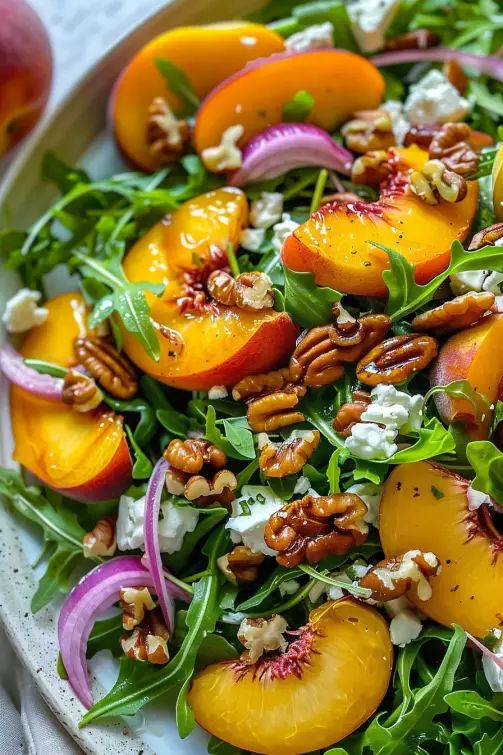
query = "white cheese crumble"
x=370 y=20
x=471 y=280
x=476 y=498
x=218 y=391
x=289 y=587
x=399 y=123
x=250 y=514
x=435 y=100
x=226 y=155
x=316 y=37
x=405 y=627
x=394 y=409
x=260 y=636
x=174 y=523
x=492 y=671
x=371 y=495
x=251 y=238
x=22 y=311
x=282 y=230
x=369 y=441
x=267 y=209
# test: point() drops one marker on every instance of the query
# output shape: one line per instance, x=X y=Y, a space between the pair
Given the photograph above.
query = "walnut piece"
x=167 y=137
x=435 y=181
x=188 y=458
x=240 y=566
x=100 y=541
x=134 y=601
x=396 y=359
x=487 y=236
x=256 y=386
x=314 y=528
x=456 y=314
x=81 y=391
x=248 y=291
x=393 y=577
x=192 y=454
x=369 y=130
x=371 y=169
x=112 y=370
x=419 y=39
x=273 y=411
x=203 y=491
x=451 y=145
x=349 y=414
x=288 y=457
x=148 y=641
x=261 y=636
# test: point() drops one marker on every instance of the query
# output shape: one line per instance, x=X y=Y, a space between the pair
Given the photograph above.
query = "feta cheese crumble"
x=492 y=671
x=251 y=238
x=399 y=123
x=370 y=20
x=250 y=514
x=289 y=587
x=260 y=636
x=369 y=441
x=226 y=155
x=477 y=280
x=394 y=408
x=218 y=391
x=476 y=498
x=316 y=37
x=435 y=100
x=405 y=627
x=174 y=523
x=267 y=209
x=371 y=495
x=22 y=311
x=282 y=230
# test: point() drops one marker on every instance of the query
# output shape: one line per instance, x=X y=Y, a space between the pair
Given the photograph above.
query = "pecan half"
x=205 y=492
x=371 y=169
x=419 y=39
x=393 y=577
x=456 y=314
x=314 y=528
x=149 y=640
x=240 y=566
x=451 y=145
x=273 y=411
x=396 y=359
x=249 y=291
x=135 y=602
x=112 y=370
x=349 y=414
x=81 y=391
x=192 y=454
x=368 y=130
x=188 y=458
x=255 y=386
x=487 y=236
x=288 y=457
x=167 y=137
x=100 y=541
x=454 y=72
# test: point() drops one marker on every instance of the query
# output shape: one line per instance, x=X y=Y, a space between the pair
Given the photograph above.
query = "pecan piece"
x=369 y=130
x=192 y=454
x=434 y=180
x=288 y=457
x=187 y=458
x=396 y=359
x=112 y=370
x=240 y=566
x=205 y=492
x=419 y=39
x=81 y=391
x=314 y=528
x=135 y=602
x=149 y=640
x=421 y=134
x=371 y=169
x=349 y=414
x=487 y=236
x=273 y=411
x=100 y=541
x=249 y=291
x=454 y=72
x=456 y=314
x=451 y=145
x=168 y=138
x=393 y=577
x=255 y=386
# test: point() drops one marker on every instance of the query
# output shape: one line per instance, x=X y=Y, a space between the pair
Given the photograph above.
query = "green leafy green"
x=470 y=703
x=238 y=444
x=275 y=579
x=319 y=407
x=334 y=472
x=461 y=389
x=487 y=463
x=142 y=467
x=324 y=576
x=178 y=82
x=105 y=635
x=308 y=304
x=239 y=435
x=299 y=107
x=433 y=440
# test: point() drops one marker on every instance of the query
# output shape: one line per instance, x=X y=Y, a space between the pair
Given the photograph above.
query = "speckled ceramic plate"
x=77 y=132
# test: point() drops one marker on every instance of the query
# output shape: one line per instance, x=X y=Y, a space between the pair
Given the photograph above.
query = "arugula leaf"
x=275 y=579
x=370 y=470
x=142 y=467
x=57 y=578
x=238 y=434
x=489 y=745
x=308 y=304
x=208 y=520
x=433 y=440
x=487 y=463
x=319 y=407
x=146 y=426
x=461 y=389
x=334 y=472
x=323 y=576
x=178 y=82
x=471 y=704
x=283 y=487
x=297 y=110
x=105 y=635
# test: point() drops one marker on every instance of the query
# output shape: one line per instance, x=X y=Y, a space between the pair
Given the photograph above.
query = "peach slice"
x=339 y=81
x=425 y=506
x=220 y=344
x=497 y=184
x=335 y=243
x=337 y=673
x=84 y=456
x=206 y=54
x=475 y=355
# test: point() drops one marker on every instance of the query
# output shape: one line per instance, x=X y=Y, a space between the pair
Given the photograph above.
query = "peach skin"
x=331 y=678
x=425 y=506
x=202 y=343
x=206 y=54
x=84 y=456
x=497 y=184
x=475 y=355
x=25 y=70
x=336 y=242
x=255 y=96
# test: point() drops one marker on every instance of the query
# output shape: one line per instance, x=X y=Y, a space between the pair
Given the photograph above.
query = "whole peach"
x=25 y=70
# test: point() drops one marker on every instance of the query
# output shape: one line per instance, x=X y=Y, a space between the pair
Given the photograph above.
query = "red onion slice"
x=43 y=386
x=151 y=539
x=286 y=146
x=498 y=660
x=488 y=64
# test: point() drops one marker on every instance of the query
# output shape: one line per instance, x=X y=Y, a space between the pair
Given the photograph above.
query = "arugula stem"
x=324 y=577
x=298 y=185
x=319 y=188
x=178 y=582
x=231 y=258
x=46 y=368
x=195 y=577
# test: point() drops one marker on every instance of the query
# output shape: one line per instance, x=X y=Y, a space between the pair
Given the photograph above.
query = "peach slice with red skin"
x=221 y=344
x=497 y=184
x=425 y=506
x=255 y=96
x=475 y=355
x=335 y=243
x=206 y=54
x=84 y=456
x=340 y=671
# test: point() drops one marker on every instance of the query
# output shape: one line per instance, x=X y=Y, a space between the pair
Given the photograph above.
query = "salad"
x=261 y=429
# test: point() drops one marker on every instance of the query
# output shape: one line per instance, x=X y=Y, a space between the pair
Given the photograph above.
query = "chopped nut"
x=349 y=414
x=204 y=492
x=451 y=145
x=226 y=155
x=453 y=71
x=288 y=457
x=396 y=359
x=434 y=181
x=419 y=39
x=255 y=386
x=260 y=636
x=456 y=314
x=487 y=236
x=134 y=601
x=392 y=578
x=369 y=130
x=421 y=134
x=371 y=169
x=168 y=138
x=192 y=454
x=240 y=566
x=314 y=528
x=176 y=481
x=249 y=291
x=111 y=369
x=149 y=640
x=81 y=391
x=100 y=541
x=273 y=411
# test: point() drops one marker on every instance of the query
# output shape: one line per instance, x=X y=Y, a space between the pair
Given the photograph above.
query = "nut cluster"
x=241 y=565
x=109 y=368
x=101 y=540
x=135 y=602
x=273 y=411
x=197 y=471
x=369 y=130
x=350 y=414
x=149 y=640
x=288 y=457
x=396 y=359
x=456 y=314
x=248 y=291
x=167 y=137
x=371 y=169
x=312 y=529
x=434 y=182
x=451 y=144
x=256 y=386
x=391 y=578
x=81 y=391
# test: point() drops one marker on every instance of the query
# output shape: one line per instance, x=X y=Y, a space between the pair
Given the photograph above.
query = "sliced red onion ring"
x=151 y=539
x=286 y=146
x=488 y=64
x=43 y=386
x=96 y=592
x=485 y=650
